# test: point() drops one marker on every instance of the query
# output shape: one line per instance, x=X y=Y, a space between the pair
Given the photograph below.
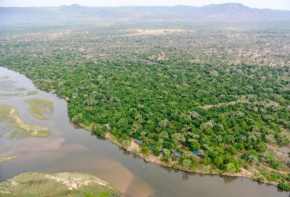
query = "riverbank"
x=134 y=148
x=60 y=184
x=72 y=149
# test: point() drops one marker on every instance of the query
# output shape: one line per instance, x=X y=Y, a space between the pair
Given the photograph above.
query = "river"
x=70 y=149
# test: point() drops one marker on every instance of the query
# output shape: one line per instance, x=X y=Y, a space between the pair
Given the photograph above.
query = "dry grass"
x=60 y=184
x=40 y=107
x=4 y=159
x=9 y=95
x=30 y=93
x=12 y=126
x=21 y=89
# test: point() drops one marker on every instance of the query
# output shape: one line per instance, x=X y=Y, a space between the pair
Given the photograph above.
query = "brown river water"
x=70 y=149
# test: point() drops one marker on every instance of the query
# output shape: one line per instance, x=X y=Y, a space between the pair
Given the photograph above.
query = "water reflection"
x=228 y=179
x=185 y=176
x=125 y=152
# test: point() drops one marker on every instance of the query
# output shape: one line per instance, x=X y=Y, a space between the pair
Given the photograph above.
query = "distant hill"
x=229 y=11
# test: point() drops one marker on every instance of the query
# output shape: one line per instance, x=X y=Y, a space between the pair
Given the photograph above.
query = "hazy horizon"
x=260 y=4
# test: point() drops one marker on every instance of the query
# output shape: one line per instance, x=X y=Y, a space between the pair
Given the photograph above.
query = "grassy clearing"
x=40 y=107
x=60 y=184
x=30 y=93
x=12 y=126
x=4 y=159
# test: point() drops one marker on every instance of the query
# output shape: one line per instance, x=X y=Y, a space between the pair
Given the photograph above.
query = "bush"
x=99 y=133
x=261 y=179
x=156 y=152
x=126 y=142
x=230 y=167
x=186 y=163
x=283 y=186
x=145 y=150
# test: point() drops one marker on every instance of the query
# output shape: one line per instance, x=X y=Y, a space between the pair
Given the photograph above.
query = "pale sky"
x=272 y=4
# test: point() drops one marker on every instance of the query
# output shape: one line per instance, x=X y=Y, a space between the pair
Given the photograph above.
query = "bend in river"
x=70 y=149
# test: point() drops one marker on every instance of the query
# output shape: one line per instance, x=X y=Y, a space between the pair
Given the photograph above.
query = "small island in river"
x=12 y=125
x=40 y=107
x=57 y=185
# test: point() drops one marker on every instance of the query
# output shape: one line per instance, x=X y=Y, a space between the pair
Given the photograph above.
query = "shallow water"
x=71 y=149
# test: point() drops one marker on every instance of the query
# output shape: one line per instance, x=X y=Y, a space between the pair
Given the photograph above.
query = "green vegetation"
x=11 y=95
x=58 y=185
x=4 y=159
x=40 y=107
x=6 y=84
x=30 y=93
x=227 y=97
x=21 y=89
x=12 y=126
x=8 y=89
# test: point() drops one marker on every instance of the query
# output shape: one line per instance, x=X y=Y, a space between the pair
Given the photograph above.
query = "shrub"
x=283 y=186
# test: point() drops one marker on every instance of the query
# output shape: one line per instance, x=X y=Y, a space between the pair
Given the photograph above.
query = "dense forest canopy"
x=222 y=91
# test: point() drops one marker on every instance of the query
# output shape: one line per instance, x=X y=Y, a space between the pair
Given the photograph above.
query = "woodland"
x=220 y=89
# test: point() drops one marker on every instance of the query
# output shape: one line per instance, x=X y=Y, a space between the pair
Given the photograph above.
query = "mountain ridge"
x=216 y=12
